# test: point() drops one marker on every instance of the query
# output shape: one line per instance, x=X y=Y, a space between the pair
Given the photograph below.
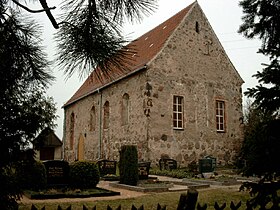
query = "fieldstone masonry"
x=192 y=64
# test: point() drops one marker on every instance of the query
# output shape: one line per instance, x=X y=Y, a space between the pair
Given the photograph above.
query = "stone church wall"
x=116 y=134
x=192 y=64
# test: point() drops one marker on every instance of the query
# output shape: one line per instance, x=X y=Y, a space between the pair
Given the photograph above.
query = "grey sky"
x=223 y=15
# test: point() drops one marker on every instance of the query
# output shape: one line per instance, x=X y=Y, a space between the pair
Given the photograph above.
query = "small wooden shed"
x=47 y=145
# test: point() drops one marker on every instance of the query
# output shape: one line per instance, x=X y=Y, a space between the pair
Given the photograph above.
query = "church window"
x=125 y=109
x=92 y=121
x=178 y=112
x=220 y=116
x=106 y=115
x=72 y=127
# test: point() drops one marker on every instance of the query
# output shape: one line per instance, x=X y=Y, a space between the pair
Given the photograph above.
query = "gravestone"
x=107 y=167
x=57 y=172
x=207 y=164
x=143 y=170
x=167 y=164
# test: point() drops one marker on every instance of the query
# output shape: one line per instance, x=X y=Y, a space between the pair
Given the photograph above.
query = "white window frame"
x=178 y=112
x=220 y=116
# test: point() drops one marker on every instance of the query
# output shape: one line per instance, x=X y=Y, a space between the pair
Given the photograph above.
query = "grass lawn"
x=150 y=201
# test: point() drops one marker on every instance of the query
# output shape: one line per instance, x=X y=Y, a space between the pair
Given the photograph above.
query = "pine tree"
x=262 y=140
x=25 y=109
x=261 y=20
x=89 y=35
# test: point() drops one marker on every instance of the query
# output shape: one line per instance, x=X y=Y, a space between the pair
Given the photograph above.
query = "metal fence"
x=188 y=201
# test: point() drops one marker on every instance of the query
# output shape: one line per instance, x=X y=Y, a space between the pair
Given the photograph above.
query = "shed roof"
x=47 y=138
x=145 y=47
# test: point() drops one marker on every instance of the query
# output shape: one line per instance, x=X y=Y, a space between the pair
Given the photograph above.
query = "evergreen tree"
x=261 y=144
x=128 y=165
x=262 y=140
x=260 y=154
x=25 y=110
x=89 y=35
x=261 y=20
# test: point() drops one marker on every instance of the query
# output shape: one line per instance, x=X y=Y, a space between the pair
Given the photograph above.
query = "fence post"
x=188 y=200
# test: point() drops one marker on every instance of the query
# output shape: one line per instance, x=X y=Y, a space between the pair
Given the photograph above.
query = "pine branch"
x=49 y=14
x=30 y=10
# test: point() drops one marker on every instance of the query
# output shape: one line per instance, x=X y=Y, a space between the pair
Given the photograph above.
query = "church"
x=179 y=98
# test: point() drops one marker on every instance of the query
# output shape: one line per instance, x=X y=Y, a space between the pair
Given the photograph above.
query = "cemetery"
x=82 y=179
x=127 y=179
x=57 y=172
x=79 y=179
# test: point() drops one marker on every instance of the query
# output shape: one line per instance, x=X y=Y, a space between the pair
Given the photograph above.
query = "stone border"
x=138 y=188
x=193 y=185
x=170 y=187
x=212 y=182
x=76 y=195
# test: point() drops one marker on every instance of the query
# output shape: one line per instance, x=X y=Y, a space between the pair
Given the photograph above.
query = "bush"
x=10 y=190
x=176 y=173
x=83 y=175
x=128 y=165
x=31 y=175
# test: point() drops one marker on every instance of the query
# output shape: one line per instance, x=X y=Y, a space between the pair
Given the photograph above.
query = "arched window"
x=72 y=127
x=92 y=120
x=125 y=109
x=106 y=115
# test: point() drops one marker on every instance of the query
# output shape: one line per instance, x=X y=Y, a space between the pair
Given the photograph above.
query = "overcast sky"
x=223 y=15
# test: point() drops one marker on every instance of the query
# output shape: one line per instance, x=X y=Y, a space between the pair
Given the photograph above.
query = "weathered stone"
x=164 y=137
x=199 y=70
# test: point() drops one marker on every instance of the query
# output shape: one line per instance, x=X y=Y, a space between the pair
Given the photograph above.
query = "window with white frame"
x=220 y=116
x=178 y=112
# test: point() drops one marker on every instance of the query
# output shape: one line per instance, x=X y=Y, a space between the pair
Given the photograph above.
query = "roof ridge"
x=162 y=23
x=146 y=47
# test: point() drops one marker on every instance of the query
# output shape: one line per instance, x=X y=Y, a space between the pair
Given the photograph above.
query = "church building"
x=180 y=98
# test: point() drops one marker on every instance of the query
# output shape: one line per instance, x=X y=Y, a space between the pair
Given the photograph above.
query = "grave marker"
x=57 y=172
x=107 y=167
x=143 y=170
x=167 y=164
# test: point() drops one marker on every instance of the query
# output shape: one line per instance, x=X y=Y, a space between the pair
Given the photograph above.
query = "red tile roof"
x=145 y=47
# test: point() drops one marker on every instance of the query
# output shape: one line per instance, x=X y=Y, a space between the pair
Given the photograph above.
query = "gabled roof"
x=145 y=47
x=46 y=138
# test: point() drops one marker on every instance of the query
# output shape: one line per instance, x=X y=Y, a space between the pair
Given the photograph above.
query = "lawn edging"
x=100 y=192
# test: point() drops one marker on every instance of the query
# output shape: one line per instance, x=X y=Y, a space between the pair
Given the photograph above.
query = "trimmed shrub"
x=128 y=165
x=176 y=173
x=83 y=175
x=31 y=175
x=10 y=190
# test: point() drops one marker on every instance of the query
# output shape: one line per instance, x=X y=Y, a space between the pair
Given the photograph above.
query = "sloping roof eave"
x=142 y=67
x=147 y=48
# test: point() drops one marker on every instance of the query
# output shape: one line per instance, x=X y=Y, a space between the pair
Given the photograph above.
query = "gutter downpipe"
x=100 y=105
x=100 y=108
x=100 y=125
x=64 y=137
